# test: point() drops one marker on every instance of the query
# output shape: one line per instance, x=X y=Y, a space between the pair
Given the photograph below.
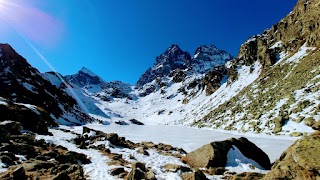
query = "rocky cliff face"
x=21 y=83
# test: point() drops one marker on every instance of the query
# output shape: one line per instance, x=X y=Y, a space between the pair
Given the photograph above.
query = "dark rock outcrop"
x=212 y=80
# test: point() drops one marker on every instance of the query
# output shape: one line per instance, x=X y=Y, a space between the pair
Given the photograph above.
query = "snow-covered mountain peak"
x=87 y=71
x=173 y=56
x=87 y=80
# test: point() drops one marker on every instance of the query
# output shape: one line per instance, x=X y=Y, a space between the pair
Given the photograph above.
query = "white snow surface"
x=191 y=139
x=2 y=167
x=303 y=51
x=237 y=162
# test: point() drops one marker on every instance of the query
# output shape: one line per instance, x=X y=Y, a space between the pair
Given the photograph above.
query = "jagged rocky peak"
x=173 y=58
x=87 y=79
x=87 y=71
x=208 y=56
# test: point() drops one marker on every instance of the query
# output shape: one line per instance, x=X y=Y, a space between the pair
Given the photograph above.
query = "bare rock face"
x=215 y=154
x=300 y=161
x=212 y=80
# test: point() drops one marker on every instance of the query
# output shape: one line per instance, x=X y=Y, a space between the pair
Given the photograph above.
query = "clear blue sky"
x=119 y=39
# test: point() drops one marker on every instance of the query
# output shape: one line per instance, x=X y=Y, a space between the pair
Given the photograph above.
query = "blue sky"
x=120 y=39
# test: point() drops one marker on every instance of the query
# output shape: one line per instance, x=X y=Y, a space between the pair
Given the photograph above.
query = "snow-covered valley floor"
x=178 y=136
x=192 y=138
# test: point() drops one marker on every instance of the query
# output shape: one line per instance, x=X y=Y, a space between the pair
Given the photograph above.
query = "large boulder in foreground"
x=300 y=161
x=215 y=154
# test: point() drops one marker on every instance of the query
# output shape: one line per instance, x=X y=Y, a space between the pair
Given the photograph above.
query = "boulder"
x=19 y=174
x=11 y=126
x=300 y=161
x=134 y=121
x=316 y=126
x=137 y=172
x=117 y=171
x=215 y=154
x=175 y=168
x=4 y=136
x=198 y=175
x=143 y=151
x=121 y=123
x=150 y=175
x=62 y=176
x=247 y=176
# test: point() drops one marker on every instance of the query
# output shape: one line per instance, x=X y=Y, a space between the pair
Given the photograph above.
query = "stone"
x=7 y=160
x=121 y=123
x=150 y=175
x=137 y=172
x=316 y=126
x=11 y=126
x=198 y=175
x=175 y=168
x=19 y=174
x=134 y=121
x=143 y=151
x=62 y=176
x=295 y=134
x=117 y=171
x=247 y=176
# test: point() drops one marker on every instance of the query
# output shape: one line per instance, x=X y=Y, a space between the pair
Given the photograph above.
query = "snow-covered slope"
x=88 y=104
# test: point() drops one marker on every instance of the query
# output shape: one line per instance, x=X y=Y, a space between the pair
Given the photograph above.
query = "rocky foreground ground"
x=27 y=157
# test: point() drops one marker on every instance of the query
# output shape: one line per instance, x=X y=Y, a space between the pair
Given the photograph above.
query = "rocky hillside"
x=285 y=96
x=21 y=83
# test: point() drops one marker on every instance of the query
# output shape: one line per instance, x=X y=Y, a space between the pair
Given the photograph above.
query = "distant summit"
x=174 y=59
x=87 y=80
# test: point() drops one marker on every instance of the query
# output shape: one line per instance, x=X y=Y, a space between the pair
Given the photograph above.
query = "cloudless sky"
x=120 y=39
